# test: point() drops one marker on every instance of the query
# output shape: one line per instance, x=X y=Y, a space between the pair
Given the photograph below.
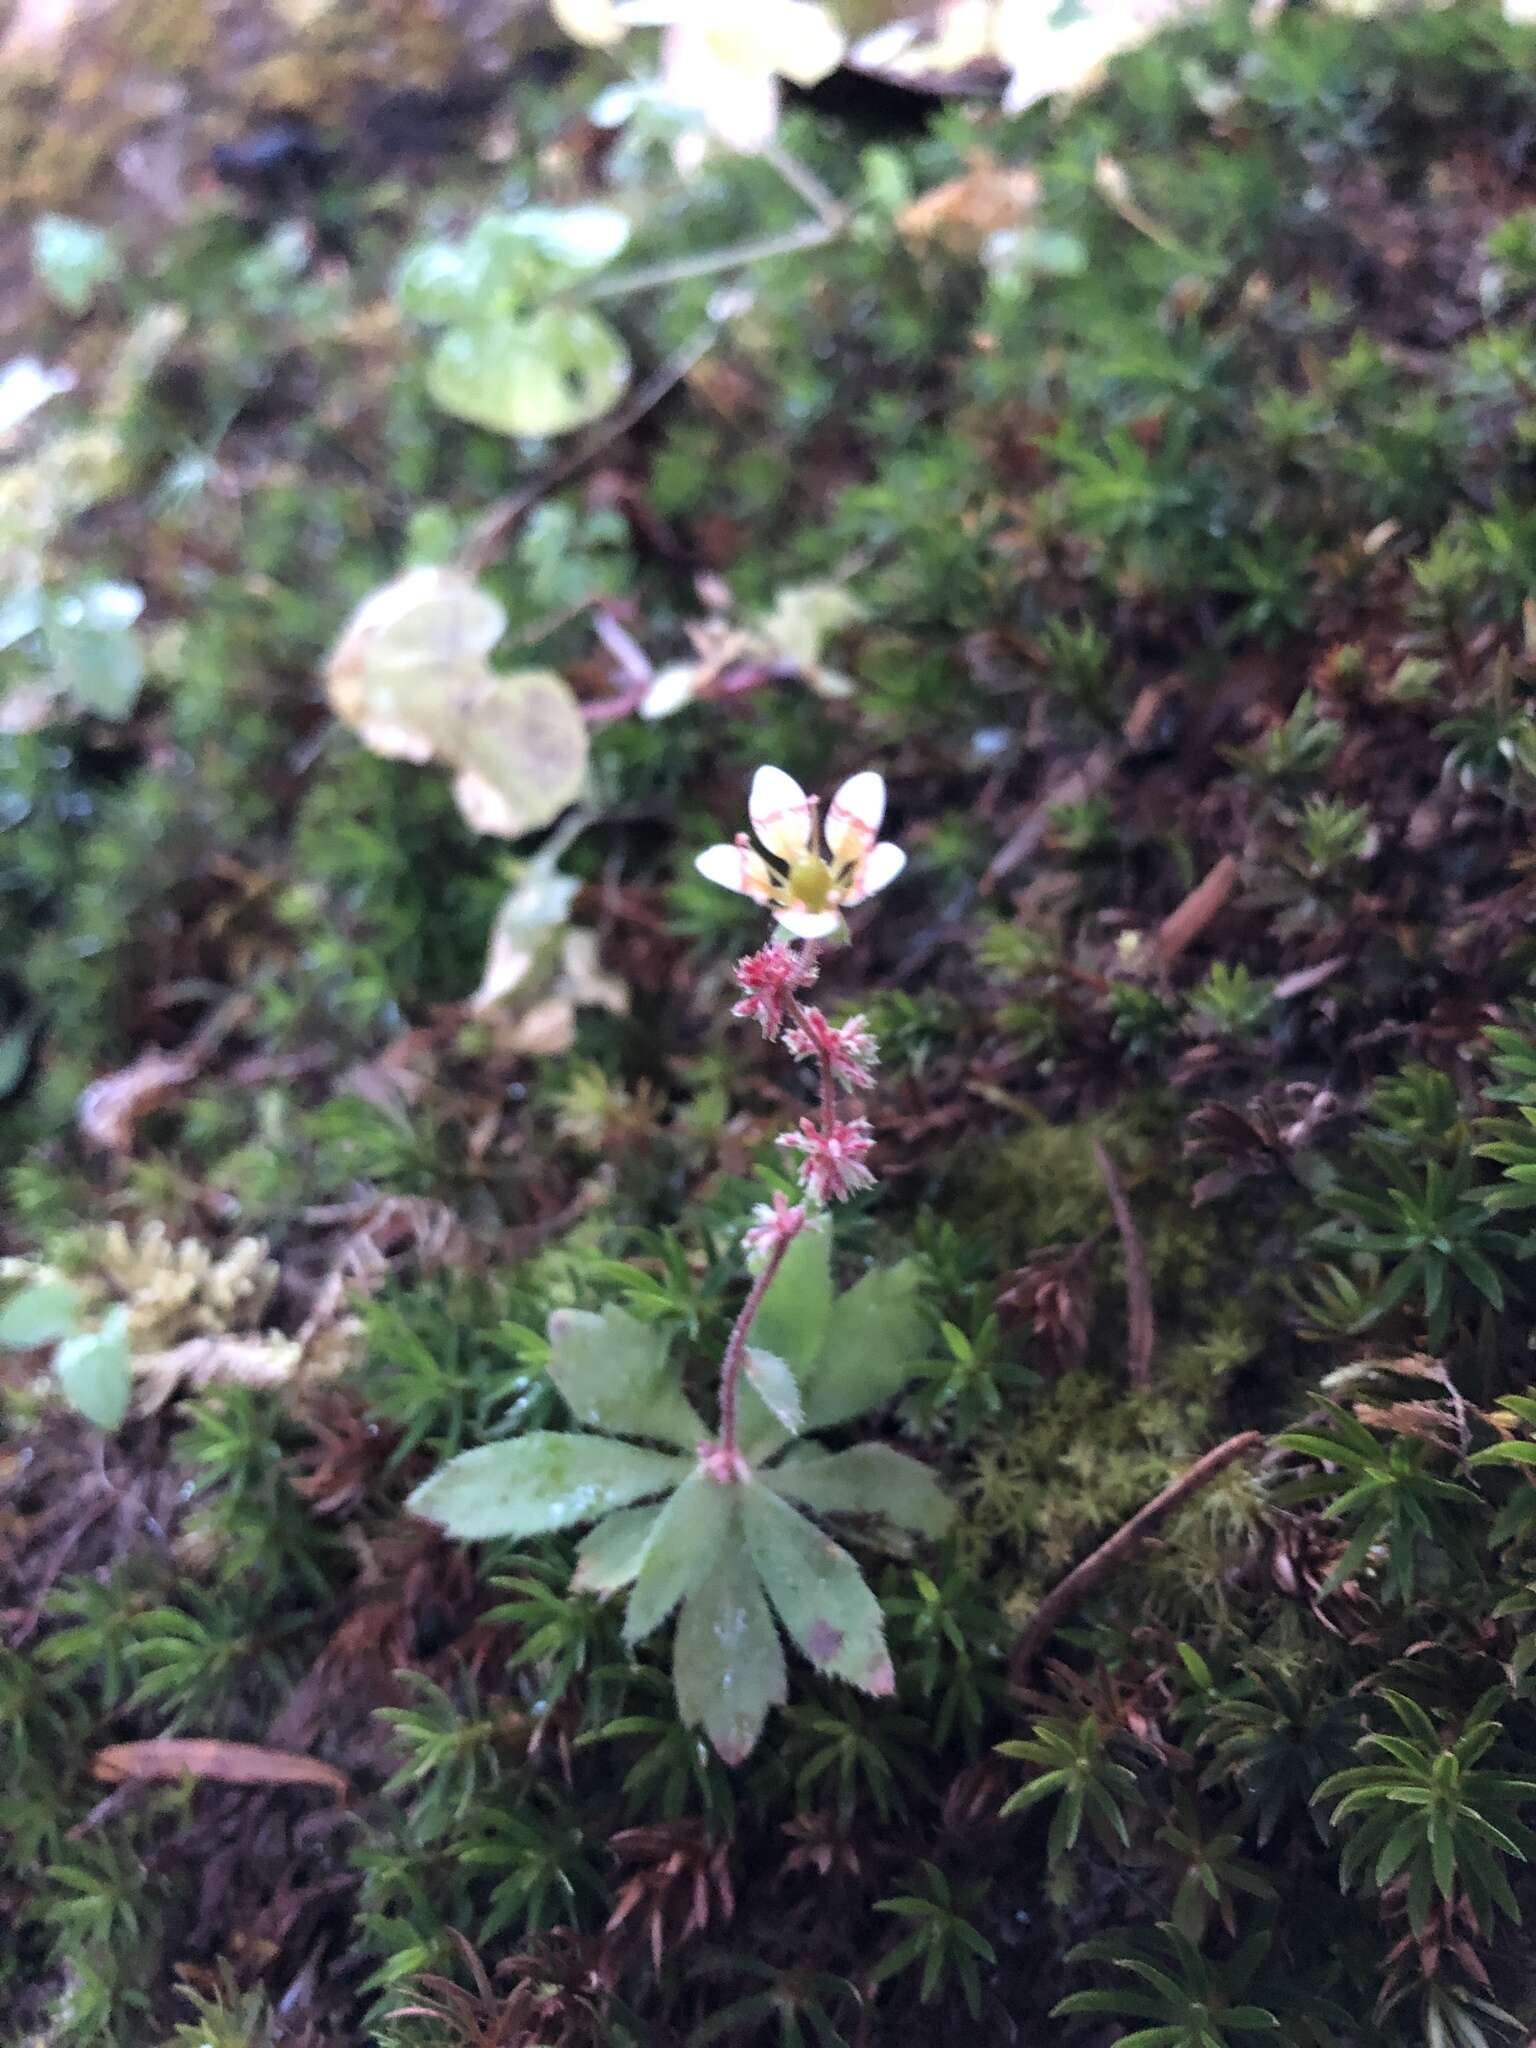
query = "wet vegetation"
x=1171 y=555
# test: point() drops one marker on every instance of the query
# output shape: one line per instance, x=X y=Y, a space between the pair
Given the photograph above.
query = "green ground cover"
x=1189 y=562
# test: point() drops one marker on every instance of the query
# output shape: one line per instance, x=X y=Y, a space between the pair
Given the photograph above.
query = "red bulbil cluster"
x=848 y=1052
x=769 y=981
x=832 y=1167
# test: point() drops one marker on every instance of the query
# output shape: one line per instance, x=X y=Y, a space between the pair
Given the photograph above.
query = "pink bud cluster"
x=848 y=1051
x=834 y=1149
x=832 y=1167
x=769 y=981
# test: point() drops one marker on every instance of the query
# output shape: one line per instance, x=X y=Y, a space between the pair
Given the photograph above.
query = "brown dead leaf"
x=963 y=214
x=1181 y=927
x=109 y=1110
x=231 y=1763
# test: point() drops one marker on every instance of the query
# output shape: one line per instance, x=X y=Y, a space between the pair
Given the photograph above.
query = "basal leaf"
x=775 y=1383
x=614 y=1374
x=611 y=1556
x=40 y=1314
x=875 y=1341
x=817 y=1590
x=95 y=1371
x=542 y=1481
x=870 y=1479
x=727 y=1661
x=792 y=1321
x=684 y=1545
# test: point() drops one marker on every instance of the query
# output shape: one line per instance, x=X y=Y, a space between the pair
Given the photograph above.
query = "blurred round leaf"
x=93 y=648
x=40 y=1314
x=439 y=282
x=580 y=237
x=95 y=1371
x=545 y=375
x=410 y=674
x=72 y=260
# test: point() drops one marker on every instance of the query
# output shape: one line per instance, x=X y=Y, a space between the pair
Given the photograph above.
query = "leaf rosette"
x=738 y=1559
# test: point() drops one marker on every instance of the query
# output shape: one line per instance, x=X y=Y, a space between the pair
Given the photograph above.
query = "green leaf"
x=546 y=374
x=615 y=1376
x=95 y=1371
x=440 y=282
x=870 y=1479
x=875 y=1342
x=612 y=1555
x=775 y=1383
x=1505 y=1454
x=727 y=1661
x=577 y=237
x=817 y=1591
x=792 y=1319
x=72 y=260
x=94 y=650
x=693 y=1528
x=40 y=1314
x=540 y=1482
x=15 y=1051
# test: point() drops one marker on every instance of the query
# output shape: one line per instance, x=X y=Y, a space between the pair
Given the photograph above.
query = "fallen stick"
x=1082 y=1579
x=1141 y=1329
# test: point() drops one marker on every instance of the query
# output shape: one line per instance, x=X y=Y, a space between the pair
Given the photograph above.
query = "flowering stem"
x=824 y=1061
x=736 y=1348
x=808 y=953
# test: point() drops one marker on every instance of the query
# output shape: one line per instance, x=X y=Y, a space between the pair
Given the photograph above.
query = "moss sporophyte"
x=729 y=1544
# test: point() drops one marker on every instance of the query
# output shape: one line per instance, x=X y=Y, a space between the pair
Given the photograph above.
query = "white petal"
x=741 y=104
x=736 y=868
x=854 y=817
x=811 y=924
x=595 y=22
x=800 y=39
x=782 y=814
x=885 y=863
x=674 y=687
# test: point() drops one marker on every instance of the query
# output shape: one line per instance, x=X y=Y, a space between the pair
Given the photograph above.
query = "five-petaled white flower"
x=808 y=889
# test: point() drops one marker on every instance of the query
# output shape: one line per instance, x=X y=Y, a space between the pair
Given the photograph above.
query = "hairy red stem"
x=736 y=1348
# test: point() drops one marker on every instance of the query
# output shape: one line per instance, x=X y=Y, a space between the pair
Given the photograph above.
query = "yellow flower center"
x=810 y=884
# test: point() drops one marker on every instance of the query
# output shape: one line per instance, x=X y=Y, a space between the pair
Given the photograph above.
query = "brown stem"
x=736 y=1347
x=1079 y=1582
x=1141 y=1329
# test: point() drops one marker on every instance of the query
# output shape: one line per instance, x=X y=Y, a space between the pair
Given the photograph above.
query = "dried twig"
x=1086 y=780
x=1141 y=1328
x=1079 y=1582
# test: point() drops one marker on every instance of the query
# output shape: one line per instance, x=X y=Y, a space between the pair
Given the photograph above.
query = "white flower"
x=1047 y=54
x=806 y=888
x=720 y=60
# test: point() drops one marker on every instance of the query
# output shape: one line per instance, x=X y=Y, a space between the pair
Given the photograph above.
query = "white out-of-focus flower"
x=721 y=59
x=786 y=640
x=1046 y=46
x=808 y=888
